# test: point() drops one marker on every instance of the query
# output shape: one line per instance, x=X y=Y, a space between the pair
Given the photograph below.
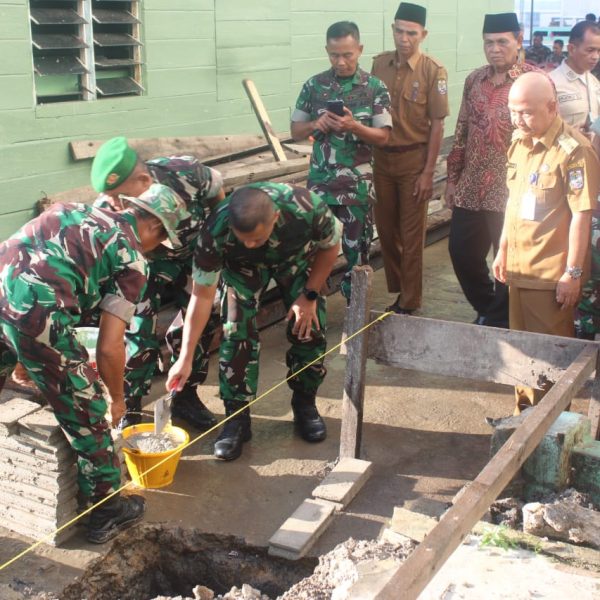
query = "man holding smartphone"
x=346 y=110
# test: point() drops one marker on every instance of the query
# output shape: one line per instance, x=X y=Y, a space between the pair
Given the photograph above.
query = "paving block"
x=56 y=452
x=585 y=469
x=39 y=505
x=54 y=481
x=41 y=425
x=344 y=481
x=411 y=524
x=36 y=527
x=19 y=488
x=300 y=531
x=14 y=410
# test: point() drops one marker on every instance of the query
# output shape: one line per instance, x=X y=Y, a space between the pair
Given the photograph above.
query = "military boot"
x=307 y=420
x=133 y=413
x=189 y=408
x=235 y=432
x=113 y=516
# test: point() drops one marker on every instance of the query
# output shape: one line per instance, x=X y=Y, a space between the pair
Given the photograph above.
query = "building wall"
x=196 y=53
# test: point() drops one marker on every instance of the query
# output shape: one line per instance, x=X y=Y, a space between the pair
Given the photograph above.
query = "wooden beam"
x=411 y=578
x=265 y=122
x=262 y=172
x=472 y=351
x=357 y=316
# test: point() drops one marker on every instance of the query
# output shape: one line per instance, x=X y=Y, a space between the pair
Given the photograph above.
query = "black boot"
x=307 y=419
x=189 y=408
x=133 y=413
x=113 y=516
x=234 y=433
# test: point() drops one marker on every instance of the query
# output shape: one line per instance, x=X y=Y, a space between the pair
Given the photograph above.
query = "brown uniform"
x=547 y=182
x=419 y=93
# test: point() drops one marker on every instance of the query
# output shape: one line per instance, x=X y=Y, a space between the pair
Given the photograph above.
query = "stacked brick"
x=38 y=473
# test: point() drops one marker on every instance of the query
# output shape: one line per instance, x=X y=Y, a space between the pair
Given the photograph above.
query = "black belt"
x=400 y=149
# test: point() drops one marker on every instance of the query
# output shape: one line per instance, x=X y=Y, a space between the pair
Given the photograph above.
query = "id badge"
x=528 y=206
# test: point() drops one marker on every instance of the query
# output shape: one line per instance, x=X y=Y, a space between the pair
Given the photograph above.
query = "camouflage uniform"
x=170 y=270
x=537 y=54
x=587 y=313
x=341 y=169
x=304 y=226
x=70 y=261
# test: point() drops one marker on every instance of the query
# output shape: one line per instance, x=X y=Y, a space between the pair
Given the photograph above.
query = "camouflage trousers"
x=587 y=313
x=239 y=348
x=356 y=238
x=58 y=365
x=167 y=276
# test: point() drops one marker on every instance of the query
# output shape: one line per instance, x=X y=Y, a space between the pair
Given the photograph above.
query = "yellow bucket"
x=138 y=462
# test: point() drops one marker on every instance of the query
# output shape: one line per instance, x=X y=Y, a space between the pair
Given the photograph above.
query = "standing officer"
x=117 y=170
x=404 y=168
x=263 y=231
x=553 y=180
x=71 y=261
x=340 y=168
x=537 y=53
x=476 y=189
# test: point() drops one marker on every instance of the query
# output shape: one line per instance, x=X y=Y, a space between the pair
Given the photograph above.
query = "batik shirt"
x=71 y=259
x=305 y=225
x=341 y=170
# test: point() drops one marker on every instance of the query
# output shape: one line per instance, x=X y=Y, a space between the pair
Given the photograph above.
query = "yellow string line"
x=188 y=444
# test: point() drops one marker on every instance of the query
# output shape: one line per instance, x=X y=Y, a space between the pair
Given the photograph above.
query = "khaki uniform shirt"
x=419 y=92
x=547 y=180
x=577 y=95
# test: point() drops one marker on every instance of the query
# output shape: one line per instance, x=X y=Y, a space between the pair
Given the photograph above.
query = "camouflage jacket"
x=341 y=164
x=537 y=54
x=305 y=224
x=71 y=259
x=195 y=183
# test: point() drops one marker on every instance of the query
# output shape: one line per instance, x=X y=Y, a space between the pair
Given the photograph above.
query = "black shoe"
x=115 y=515
x=232 y=437
x=396 y=308
x=307 y=420
x=189 y=408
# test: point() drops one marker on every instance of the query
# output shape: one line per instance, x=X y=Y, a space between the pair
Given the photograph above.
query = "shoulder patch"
x=567 y=143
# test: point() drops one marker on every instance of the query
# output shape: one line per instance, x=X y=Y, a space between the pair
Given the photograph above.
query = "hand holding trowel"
x=162 y=410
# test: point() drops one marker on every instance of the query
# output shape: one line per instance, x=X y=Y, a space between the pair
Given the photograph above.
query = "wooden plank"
x=199 y=146
x=357 y=316
x=264 y=120
x=262 y=172
x=594 y=407
x=411 y=578
x=472 y=351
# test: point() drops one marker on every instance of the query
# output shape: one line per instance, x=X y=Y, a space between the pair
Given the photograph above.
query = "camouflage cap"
x=113 y=164
x=163 y=203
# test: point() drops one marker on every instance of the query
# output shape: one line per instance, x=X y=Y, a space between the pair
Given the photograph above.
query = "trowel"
x=162 y=411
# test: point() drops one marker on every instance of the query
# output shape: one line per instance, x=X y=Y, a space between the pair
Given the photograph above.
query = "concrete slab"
x=17 y=443
x=14 y=410
x=411 y=524
x=585 y=469
x=41 y=425
x=42 y=507
x=48 y=482
x=18 y=488
x=300 y=531
x=344 y=481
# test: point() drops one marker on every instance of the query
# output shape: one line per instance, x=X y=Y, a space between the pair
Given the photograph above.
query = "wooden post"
x=357 y=316
x=263 y=119
x=411 y=578
x=594 y=408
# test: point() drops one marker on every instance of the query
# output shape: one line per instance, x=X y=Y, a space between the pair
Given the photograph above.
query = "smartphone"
x=336 y=107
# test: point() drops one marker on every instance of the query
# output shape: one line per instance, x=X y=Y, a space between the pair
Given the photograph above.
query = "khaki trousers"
x=538 y=312
x=401 y=222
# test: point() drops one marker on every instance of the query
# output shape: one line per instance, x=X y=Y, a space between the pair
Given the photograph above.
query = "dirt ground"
x=425 y=435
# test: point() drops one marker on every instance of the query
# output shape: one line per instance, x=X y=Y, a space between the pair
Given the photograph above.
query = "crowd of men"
x=523 y=180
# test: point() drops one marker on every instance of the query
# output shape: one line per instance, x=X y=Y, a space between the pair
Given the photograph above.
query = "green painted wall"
x=196 y=53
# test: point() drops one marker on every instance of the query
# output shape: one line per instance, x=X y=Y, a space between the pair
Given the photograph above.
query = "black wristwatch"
x=310 y=294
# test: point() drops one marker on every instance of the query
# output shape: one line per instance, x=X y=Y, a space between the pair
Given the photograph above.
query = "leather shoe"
x=309 y=424
x=189 y=408
x=396 y=308
x=231 y=439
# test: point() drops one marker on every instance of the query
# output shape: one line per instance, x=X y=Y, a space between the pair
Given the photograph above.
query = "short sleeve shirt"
x=72 y=259
x=341 y=164
x=305 y=224
x=419 y=92
x=578 y=95
x=547 y=182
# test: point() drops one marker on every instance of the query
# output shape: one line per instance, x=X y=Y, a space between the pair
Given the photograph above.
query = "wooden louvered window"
x=85 y=49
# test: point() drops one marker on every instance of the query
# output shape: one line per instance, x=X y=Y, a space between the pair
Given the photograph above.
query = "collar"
x=551 y=133
x=354 y=80
x=411 y=62
x=572 y=75
x=513 y=73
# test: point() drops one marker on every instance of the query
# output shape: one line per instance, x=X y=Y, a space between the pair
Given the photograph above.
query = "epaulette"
x=435 y=61
x=567 y=143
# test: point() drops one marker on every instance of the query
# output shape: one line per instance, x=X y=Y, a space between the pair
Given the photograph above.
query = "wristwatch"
x=574 y=272
x=310 y=294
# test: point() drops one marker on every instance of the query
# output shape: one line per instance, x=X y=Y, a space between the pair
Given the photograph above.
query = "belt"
x=400 y=149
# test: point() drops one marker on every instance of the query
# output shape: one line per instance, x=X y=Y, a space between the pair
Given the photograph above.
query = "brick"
x=41 y=425
x=344 y=481
x=14 y=410
x=411 y=524
x=585 y=469
x=300 y=531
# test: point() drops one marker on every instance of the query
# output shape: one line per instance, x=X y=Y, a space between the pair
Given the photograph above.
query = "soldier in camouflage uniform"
x=587 y=313
x=261 y=232
x=71 y=261
x=340 y=168
x=537 y=53
x=200 y=187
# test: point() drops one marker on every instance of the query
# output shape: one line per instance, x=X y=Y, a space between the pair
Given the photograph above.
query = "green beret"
x=113 y=164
